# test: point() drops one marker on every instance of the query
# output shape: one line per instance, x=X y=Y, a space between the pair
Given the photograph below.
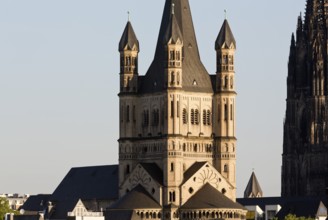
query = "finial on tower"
x=128 y=16
x=172 y=8
x=225 y=14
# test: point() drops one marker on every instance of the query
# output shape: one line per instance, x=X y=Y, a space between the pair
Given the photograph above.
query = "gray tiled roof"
x=128 y=38
x=138 y=198
x=173 y=31
x=192 y=170
x=154 y=171
x=36 y=203
x=253 y=188
x=98 y=182
x=210 y=198
x=225 y=36
x=194 y=77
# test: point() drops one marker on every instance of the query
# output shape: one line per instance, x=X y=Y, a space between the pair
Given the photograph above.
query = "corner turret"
x=225 y=46
x=173 y=44
x=129 y=49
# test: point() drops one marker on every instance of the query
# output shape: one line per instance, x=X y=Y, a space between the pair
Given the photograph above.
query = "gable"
x=149 y=176
x=201 y=174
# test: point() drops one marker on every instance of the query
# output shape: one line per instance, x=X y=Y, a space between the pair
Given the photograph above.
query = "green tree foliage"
x=5 y=208
x=294 y=217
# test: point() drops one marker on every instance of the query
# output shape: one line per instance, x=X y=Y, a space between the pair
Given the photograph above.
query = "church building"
x=305 y=147
x=177 y=145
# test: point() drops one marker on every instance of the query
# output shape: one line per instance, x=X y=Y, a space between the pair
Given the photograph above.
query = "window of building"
x=134 y=113
x=192 y=116
x=172 y=57
x=184 y=116
x=128 y=113
x=155 y=117
x=172 y=167
x=208 y=117
x=172 y=109
x=146 y=118
x=225 y=169
x=225 y=112
x=204 y=117
x=196 y=117
x=231 y=112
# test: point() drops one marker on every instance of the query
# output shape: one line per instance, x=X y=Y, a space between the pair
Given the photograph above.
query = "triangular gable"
x=199 y=175
x=142 y=175
x=79 y=208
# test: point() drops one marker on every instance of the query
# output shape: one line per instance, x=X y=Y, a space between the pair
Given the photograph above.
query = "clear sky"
x=59 y=81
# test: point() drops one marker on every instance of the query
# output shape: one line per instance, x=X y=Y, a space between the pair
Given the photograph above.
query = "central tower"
x=177 y=122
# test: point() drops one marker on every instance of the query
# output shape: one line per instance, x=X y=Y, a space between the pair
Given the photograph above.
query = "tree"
x=5 y=208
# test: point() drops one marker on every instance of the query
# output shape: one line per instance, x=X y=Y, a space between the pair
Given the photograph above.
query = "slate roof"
x=62 y=207
x=253 y=188
x=138 y=198
x=225 y=36
x=98 y=182
x=36 y=203
x=192 y=170
x=192 y=67
x=210 y=198
x=128 y=38
x=154 y=171
x=173 y=31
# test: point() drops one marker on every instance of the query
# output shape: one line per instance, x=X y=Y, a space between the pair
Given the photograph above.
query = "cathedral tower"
x=305 y=148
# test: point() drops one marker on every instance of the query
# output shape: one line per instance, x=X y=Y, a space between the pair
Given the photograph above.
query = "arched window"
x=204 y=117
x=171 y=55
x=225 y=169
x=192 y=116
x=146 y=118
x=231 y=112
x=172 y=167
x=208 y=117
x=225 y=112
x=172 y=77
x=226 y=80
x=155 y=117
x=196 y=117
x=184 y=116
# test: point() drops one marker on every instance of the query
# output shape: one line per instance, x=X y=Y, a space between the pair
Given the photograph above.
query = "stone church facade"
x=177 y=145
x=305 y=147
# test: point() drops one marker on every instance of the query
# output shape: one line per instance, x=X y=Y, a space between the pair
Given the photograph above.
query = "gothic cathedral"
x=177 y=145
x=305 y=147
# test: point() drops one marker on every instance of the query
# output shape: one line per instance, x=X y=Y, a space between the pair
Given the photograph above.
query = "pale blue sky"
x=59 y=68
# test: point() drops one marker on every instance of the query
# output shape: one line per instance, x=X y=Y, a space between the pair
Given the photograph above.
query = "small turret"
x=129 y=49
x=225 y=46
x=253 y=188
x=173 y=44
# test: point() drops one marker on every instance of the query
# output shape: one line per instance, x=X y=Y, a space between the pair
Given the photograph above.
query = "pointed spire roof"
x=253 y=188
x=173 y=32
x=192 y=67
x=128 y=38
x=225 y=37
